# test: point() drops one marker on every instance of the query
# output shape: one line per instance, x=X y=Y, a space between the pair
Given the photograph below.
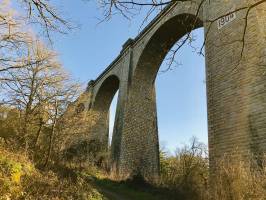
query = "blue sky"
x=181 y=95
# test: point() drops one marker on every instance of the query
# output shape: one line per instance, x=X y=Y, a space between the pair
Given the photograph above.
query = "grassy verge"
x=19 y=179
x=135 y=189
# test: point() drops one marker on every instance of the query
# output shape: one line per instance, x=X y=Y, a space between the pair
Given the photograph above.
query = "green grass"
x=133 y=190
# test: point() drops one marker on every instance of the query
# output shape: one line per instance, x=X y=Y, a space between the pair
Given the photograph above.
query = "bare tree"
x=16 y=23
x=46 y=15
x=58 y=104
x=34 y=88
x=13 y=39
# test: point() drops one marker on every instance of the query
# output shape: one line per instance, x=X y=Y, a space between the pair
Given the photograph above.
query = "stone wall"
x=235 y=80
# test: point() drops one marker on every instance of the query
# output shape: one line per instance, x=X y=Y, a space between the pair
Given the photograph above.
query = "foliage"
x=187 y=171
x=85 y=153
x=12 y=168
x=235 y=177
x=19 y=179
x=238 y=178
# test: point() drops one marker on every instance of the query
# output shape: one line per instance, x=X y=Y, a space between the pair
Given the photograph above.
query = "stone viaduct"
x=236 y=84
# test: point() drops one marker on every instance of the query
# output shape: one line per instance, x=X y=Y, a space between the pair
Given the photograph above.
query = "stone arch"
x=160 y=43
x=142 y=157
x=101 y=105
x=106 y=92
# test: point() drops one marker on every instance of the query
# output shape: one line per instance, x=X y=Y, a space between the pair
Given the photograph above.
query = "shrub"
x=19 y=179
x=187 y=171
x=85 y=154
x=234 y=178
x=238 y=178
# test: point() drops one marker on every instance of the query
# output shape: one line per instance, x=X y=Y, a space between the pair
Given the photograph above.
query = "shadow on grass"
x=132 y=189
x=135 y=189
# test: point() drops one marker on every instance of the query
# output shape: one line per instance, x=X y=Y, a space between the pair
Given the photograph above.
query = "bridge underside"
x=236 y=86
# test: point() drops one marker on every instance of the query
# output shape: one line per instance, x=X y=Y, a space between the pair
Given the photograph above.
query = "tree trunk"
x=51 y=136
x=38 y=134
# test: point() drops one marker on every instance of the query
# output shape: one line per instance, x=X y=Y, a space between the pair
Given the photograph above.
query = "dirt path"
x=110 y=195
x=113 y=190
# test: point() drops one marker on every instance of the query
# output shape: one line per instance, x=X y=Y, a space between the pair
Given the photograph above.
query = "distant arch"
x=105 y=93
x=101 y=108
